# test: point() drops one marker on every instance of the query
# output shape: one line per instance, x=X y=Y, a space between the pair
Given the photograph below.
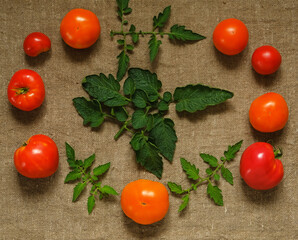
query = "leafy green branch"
x=177 y=32
x=140 y=109
x=80 y=171
x=192 y=172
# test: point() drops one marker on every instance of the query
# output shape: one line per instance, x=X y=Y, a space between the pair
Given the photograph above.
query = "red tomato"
x=37 y=158
x=26 y=90
x=266 y=60
x=36 y=43
x=259 y=167
x=145 y=201
x=230 y=36
x=269 y=112
x=80 y=28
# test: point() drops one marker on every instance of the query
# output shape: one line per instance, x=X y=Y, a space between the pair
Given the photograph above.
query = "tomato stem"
x=278 y=152
x=22 y=90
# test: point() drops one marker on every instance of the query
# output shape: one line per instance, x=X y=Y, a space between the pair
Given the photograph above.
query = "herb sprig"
x=192 y=172
x=177 y=32
x=81 y=171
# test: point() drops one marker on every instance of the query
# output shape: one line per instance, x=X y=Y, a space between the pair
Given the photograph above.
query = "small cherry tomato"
x=259 y=166
x=269 y=112
x=230 y=36
x=36 y=43
x=26 y=90
x=145 y=201
x=37 y=158
x=80 y=28
x=266 y=60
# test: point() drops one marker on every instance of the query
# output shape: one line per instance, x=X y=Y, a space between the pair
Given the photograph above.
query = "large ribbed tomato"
x=26 y=90
x=37 y=158
x=145 y=201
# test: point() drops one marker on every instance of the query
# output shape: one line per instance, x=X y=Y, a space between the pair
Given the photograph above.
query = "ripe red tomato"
x=145 y=201
x=269 y=112
x=259 y=167
x=36 y=43
x=37 y=158
x=230 y=36
x=266 y=60
x=80 y=28
x=26 y=90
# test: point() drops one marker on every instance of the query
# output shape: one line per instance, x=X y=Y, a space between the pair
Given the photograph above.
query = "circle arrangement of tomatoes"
x=26 y=90
x=80 y=28
x=230 y=36
x=259 y=167
x=36 y=43
x=269 y=112
x=145 y=201
x=266 y=60
x=37 y=158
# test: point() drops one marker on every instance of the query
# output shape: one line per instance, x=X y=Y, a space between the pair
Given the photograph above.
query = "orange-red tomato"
x=26 y=90
x=36 y=43
x=266 y=60
x=145 y=201
x=80 y=28
x=37 y=158
x=269 y=112
x=230 y=36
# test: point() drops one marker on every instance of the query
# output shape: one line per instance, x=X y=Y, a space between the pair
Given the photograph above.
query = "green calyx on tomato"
x=260 y=167
x=23 y=90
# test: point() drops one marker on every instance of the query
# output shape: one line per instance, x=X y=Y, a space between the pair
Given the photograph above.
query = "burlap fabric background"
x=42 y=209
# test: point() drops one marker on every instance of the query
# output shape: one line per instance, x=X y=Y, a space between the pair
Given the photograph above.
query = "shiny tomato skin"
x=259 y=168
x=266 y=60
x=26 y=90
x=230 y=36
x=37 y=158
x=269 y=112
x=36 y=43
x=145 y=201
x=80 y=28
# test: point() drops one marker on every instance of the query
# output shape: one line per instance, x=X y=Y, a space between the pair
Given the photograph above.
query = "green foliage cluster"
x=192 y=172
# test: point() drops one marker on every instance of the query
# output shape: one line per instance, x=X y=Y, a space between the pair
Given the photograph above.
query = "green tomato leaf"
x=175 y=188
x=139 y=119
x=163 y=136
x=90 y=203
x=101 y=169
x=78 y=190
x=163 y=106
x=227 y=175
x=232 y=150
x=132 y=28
x=135 y=37
x=120 y=113
x=122 y=5
x=192 y=98
x=167 y=97
x=70 y=153
x=129 y=87
x=185 y=200
x=147 y=154
x=108 y=190
x=216 y=177
x=127 y=10
x=146 y=81
x=90 y=111
x=179 y=32
x=211 y=160
x=190 y=169
x=139 y=99
x=74 y=175
x=129 y=47
x=104 y=89
x=89 y=161
x=215 y=193
x=159 y=22
x=153 y=47
x=209 y=171
x=123 y=61
x=120 y=42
